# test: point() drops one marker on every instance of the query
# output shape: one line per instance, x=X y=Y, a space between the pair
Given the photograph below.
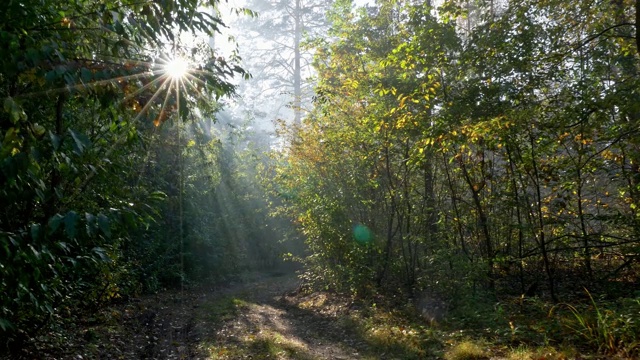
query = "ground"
x=263 y=318
x=268 y=317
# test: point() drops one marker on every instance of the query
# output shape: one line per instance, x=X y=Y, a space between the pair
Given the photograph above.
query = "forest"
x=314 y=179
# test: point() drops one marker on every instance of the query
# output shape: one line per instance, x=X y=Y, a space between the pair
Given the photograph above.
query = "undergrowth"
x=466 y=350
x=611 y=328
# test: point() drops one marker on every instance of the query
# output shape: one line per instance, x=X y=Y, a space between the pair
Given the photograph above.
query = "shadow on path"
x=268 y=324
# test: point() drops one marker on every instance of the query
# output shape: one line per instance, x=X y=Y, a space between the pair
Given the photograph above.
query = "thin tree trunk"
x=297 y=72
x=54 y=183
x=484 y=224
x=541 y=233
x=516 y=197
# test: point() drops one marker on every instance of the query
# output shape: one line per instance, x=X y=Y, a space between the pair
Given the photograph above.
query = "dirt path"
x=266 y=318
x=260 y=319
x=269 y=324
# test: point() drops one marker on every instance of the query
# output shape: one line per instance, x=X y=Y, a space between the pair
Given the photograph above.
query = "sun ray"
x=153 y=97
x=195 y=78
x=192 y=80
x=143 y=88
x=164 y=75
x=162 y=109
x=89 y=85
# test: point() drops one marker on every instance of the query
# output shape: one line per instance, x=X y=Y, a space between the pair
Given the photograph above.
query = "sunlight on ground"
x=272 y=336
x=322 y=325
x=466 y=350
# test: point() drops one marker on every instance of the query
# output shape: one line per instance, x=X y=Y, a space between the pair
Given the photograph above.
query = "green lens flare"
x=362 y=234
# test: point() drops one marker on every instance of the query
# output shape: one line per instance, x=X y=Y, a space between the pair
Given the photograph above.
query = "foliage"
x=81 y=94
x=612 y=329
x=483 y=146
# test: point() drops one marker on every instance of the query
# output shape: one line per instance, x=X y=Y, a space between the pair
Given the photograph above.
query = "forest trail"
x=263 y=318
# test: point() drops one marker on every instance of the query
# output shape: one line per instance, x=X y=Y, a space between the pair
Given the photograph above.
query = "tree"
x=81 y=94
x=276 y=55
x=514 y=130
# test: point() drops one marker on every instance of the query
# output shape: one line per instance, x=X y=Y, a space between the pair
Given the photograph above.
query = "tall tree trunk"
x=542 y=242
x=638 y=26
x=586 y=251
x=297 y=72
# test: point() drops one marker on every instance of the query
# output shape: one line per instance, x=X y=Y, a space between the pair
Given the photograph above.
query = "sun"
x=177 y=68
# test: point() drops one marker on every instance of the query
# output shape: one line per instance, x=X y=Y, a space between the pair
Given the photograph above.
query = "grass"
x=610 y=328
x=266 y=345
x=466 y=350
x=396 y=333
x=512 y=329
x=223 y=309
x=524 y=352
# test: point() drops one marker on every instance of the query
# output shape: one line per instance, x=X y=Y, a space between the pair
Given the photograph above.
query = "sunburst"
x=177 y=68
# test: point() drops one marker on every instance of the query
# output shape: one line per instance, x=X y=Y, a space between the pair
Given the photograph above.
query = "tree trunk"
x=297 y=72
x=483 y=222
x=541 y=233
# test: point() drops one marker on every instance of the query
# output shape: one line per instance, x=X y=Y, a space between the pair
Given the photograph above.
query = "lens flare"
x=177 y=68
x=362 y=234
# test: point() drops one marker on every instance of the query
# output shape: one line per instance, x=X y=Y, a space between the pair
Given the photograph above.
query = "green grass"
x=524 y=352
x=607 y=327
x=466 y=350
x=511 y=329
x=266 y=345
x=222 y=309
x=397 y=333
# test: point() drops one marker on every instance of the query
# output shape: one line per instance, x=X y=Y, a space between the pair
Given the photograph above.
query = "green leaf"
x=35 y=231
x=158 y=195
x=80 y=142
x=50 y=76
x=86 y=75
x=91 y=223
x=55 y=140
x=103 y=223
x=5 y=324
x=38 y=130
x=64 y=246
x=70 y=221
x=40 y=194
x=35 y=252
x=54 y=222
x=129 y=218
x=14 y=110
x=101 y=253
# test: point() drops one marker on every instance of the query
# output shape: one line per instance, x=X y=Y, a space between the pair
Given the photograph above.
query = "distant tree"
x=274 y=51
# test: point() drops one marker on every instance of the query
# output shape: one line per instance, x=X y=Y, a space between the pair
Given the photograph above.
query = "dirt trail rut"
x=260 y=319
